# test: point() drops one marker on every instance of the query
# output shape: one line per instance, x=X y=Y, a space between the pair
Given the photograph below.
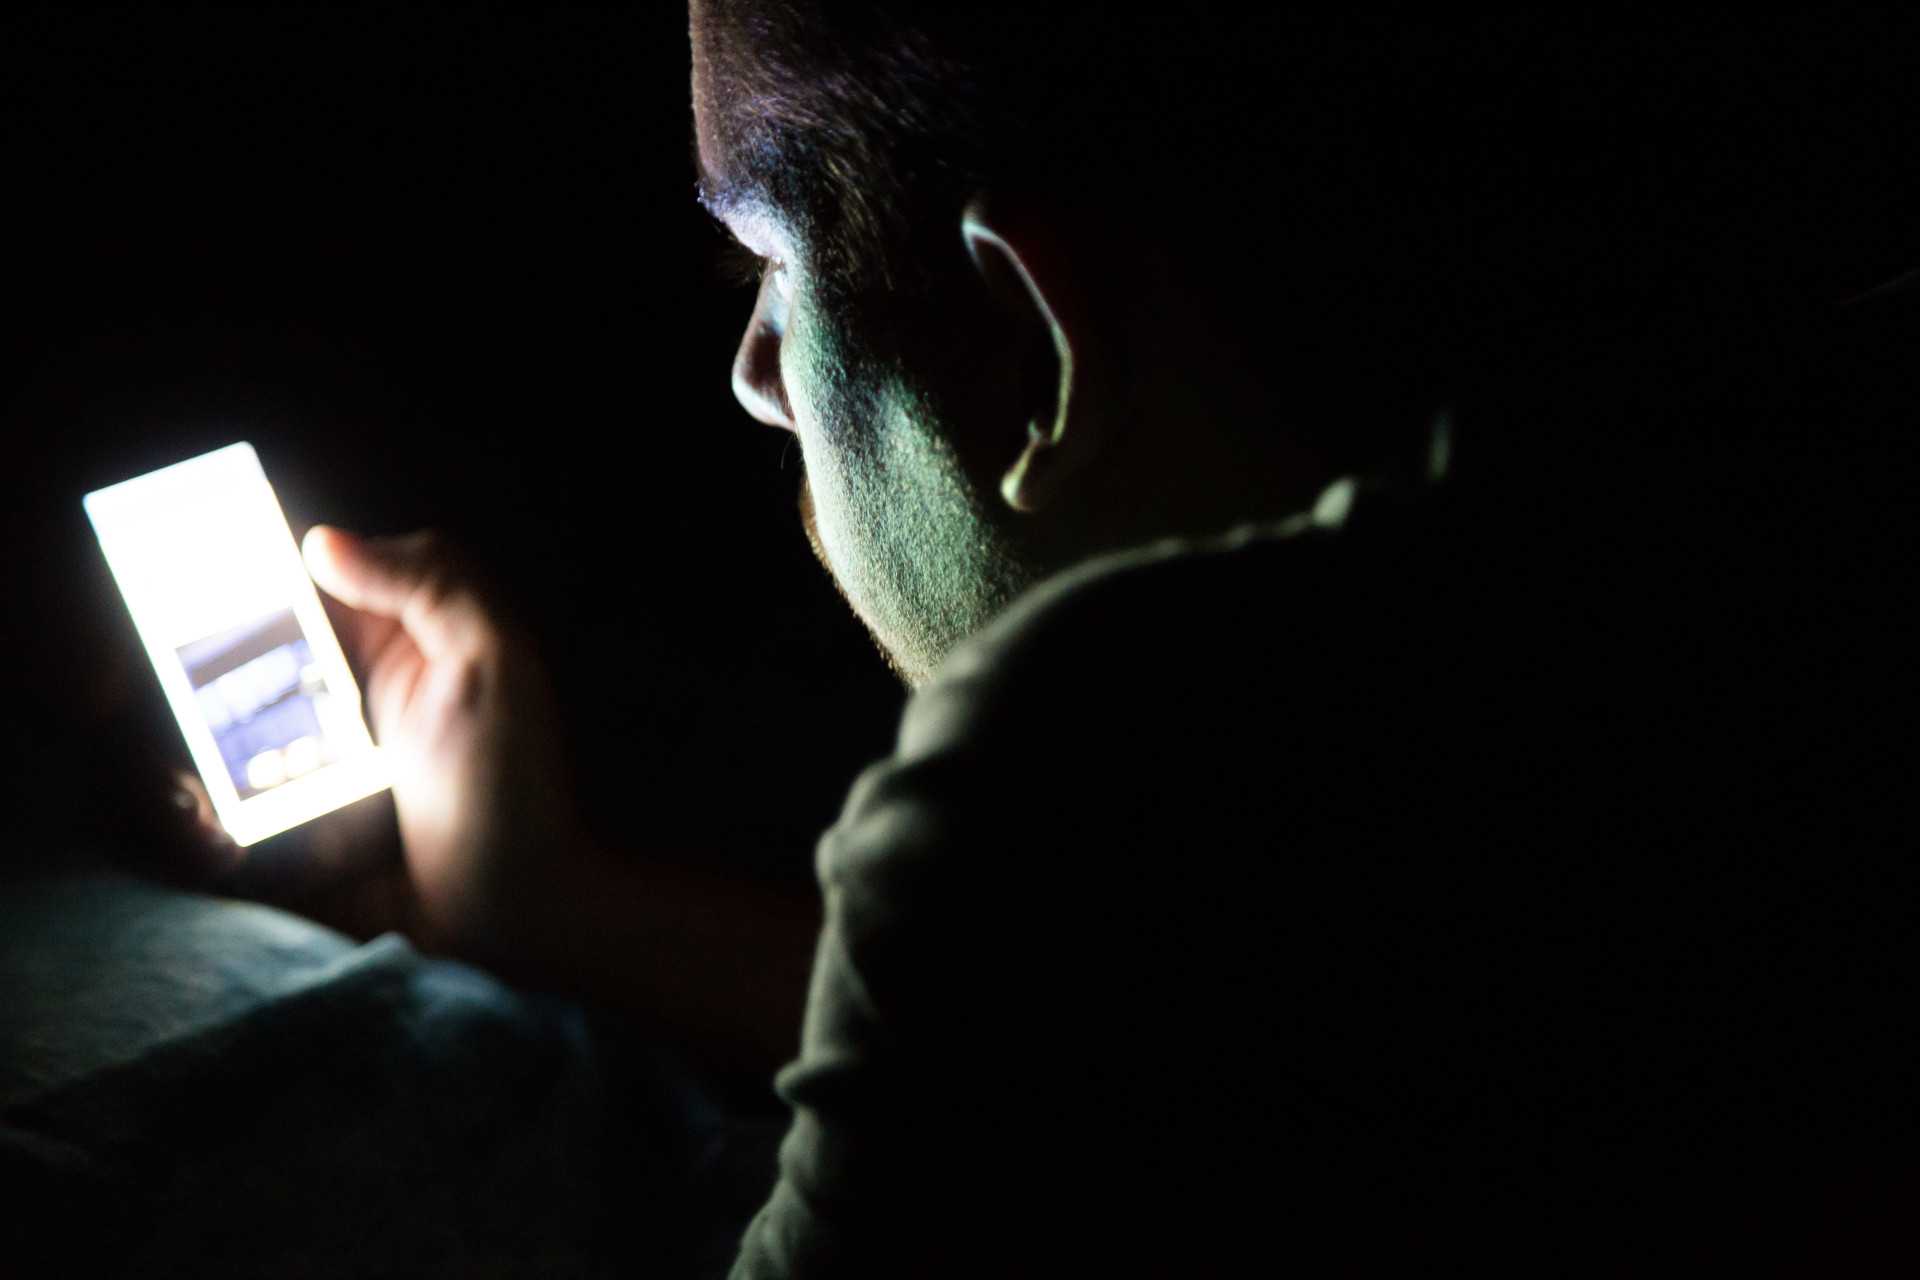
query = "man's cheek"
x=794 y=361
x=817 y=391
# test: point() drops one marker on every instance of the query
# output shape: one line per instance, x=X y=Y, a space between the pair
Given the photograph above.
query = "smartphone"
x=246 y=656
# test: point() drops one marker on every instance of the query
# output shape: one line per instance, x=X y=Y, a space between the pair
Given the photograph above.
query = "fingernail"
x=317 y=547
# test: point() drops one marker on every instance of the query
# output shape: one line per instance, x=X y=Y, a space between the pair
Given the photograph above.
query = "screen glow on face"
x=242 y=645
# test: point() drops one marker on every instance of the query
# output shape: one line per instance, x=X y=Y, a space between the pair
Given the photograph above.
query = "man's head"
x=1052 y=280
x=1002 y=313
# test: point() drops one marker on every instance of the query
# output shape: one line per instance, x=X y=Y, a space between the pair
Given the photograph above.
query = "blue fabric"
x=195 y=1085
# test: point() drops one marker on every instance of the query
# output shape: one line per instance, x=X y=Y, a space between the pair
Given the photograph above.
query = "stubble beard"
x=812 y=528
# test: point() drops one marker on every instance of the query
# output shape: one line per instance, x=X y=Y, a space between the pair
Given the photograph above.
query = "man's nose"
x=756 y=367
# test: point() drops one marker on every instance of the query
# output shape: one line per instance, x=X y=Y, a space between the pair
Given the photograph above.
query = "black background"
x=442 y=265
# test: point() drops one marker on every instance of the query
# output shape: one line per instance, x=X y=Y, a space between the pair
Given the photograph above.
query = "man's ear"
x=1021 y=251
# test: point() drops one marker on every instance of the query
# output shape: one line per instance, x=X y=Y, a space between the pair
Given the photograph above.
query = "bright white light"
x=268 y=769
x=302 y=756
x=207 y=564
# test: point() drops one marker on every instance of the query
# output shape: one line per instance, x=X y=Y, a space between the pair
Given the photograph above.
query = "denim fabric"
x=198 y=1086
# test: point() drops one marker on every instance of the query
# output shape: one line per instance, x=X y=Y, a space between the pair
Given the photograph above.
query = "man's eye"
x=737 y=266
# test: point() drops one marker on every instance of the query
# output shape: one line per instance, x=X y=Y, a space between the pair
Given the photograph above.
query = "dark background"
x=442 y=265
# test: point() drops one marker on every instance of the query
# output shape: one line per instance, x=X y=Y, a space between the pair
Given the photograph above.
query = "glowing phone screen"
x=243 y=648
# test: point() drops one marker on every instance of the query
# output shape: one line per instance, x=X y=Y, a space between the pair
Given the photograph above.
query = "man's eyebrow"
x=724 y=196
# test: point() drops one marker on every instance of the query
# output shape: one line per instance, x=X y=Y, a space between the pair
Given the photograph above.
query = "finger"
x=413 y=577
x=211 y=849
x=390 y=688
x=196 y=806
x=363 y=636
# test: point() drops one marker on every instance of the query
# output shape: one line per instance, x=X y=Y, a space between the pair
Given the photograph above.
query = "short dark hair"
x=1439 y=189
x=868 y=112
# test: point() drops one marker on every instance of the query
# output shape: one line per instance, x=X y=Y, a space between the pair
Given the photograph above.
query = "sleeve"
x=1087 y=952
x=902 y=1157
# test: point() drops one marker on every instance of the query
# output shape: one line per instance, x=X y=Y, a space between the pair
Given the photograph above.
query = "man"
x=1352 y=798
x=1267 y=866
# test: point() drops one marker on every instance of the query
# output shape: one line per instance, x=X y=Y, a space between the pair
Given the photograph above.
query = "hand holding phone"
x=464 y=723
x=493 y=839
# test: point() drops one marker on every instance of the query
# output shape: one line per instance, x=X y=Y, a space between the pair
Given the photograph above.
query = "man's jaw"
x=808 y=523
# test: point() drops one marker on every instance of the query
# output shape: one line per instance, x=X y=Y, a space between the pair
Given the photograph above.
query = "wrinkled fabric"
x=194 y=1086
x=1358 y=891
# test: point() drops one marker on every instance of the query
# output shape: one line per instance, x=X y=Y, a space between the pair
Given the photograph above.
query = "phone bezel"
x=360 y=770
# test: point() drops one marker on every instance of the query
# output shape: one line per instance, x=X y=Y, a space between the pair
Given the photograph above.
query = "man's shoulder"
x=1126 y=814
x=1135 y=699
x=1190 y=626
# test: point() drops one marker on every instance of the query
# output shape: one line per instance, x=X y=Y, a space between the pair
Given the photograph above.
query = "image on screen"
x=265 y=700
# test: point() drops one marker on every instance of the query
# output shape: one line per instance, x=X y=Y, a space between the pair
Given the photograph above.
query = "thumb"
x=196 y=831
x=413 y=578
